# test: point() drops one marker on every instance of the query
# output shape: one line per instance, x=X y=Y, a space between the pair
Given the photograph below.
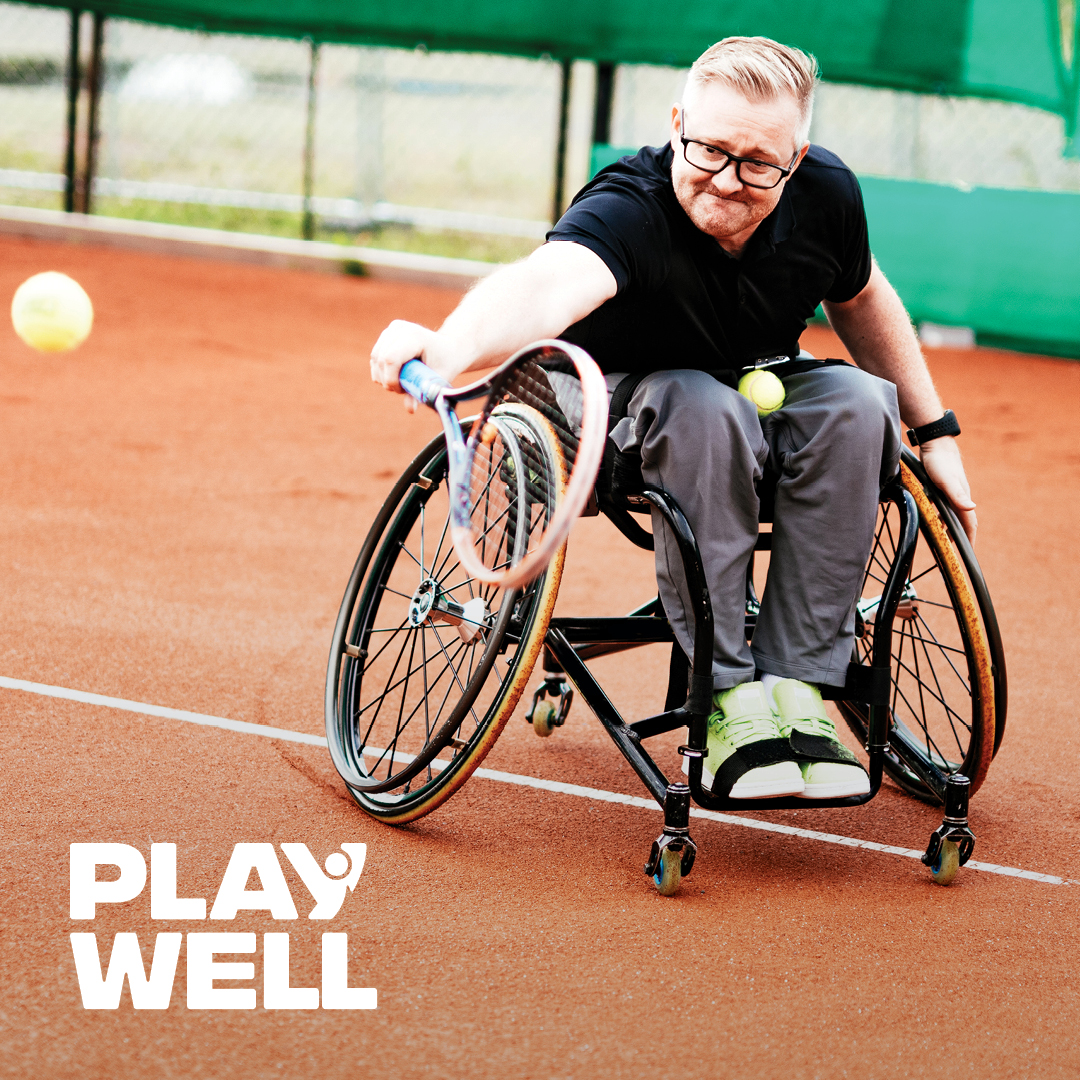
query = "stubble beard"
x=717 y=217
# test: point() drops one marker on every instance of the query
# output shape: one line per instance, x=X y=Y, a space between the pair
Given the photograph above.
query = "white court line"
x=596 y=794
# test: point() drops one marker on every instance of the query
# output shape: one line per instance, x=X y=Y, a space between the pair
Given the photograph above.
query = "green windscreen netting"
x=1008 y=49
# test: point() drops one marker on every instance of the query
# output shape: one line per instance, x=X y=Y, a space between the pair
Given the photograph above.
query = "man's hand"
x=399 y=343
x=941 y=459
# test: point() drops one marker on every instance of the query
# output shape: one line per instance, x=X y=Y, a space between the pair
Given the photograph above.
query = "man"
x=688 y=264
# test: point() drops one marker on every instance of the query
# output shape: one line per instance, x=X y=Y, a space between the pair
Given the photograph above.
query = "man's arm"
x=878 y=333
x=557 y=285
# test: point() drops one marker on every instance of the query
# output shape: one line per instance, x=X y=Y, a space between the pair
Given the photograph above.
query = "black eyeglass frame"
x=738 y=162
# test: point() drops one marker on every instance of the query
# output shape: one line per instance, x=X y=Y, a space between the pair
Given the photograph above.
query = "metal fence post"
x=72 y=111
x=309 y=145
x=566 y=67
x=605 y=97
x=93 y=128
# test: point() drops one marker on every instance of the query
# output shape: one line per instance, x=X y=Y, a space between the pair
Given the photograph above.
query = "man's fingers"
x=969 y=522
x=959 y=496
x=397 y=345
x=955 y=489
x=941 y=459
x=388 y=376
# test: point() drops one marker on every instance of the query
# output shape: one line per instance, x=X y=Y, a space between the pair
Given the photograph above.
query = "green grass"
x=40 y=200
x=14 y=156
x=229 y=218
x=455 y=245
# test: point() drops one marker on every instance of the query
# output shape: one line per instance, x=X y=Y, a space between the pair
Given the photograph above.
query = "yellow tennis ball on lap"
x=764 y=389
x=51 y=312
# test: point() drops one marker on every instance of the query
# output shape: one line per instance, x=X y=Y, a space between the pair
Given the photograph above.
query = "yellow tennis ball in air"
x=51 y=312
x=764 y=389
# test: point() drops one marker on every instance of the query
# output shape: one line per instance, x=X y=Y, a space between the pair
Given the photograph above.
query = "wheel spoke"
x=873 y=577
x=391 y=687
x=937 y=604
x=401 y=698
x=932 y=659
x=411 y=556
x=922 y=573
x=427 y=689
x=438 y=547
x=423 y=702
x=949 y=711
x=459 y=585
x=378 y=702
x=399 y=727
x=944 y=649
x=382 y=648
x=438 y=638
x=930 y=744
x=937 y=695
x=919 y=682
x=404 y=596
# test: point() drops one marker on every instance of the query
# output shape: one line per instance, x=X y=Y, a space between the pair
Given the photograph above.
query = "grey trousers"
x=834 y=443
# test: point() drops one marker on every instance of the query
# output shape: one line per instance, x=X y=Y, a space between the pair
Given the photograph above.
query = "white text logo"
x=327 y=885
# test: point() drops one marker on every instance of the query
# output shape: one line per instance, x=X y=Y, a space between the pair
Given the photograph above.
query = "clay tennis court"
x=183 y=499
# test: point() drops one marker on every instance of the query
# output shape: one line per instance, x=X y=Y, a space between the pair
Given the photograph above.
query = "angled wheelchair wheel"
x=426 y=664
x=948 y=697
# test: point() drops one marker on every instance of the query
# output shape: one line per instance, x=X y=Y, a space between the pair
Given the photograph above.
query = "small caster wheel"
x=543 y=718
x=668 y=872
x=944 y=868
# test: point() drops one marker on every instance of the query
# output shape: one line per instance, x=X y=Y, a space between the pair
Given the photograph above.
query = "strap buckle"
x=766 y=362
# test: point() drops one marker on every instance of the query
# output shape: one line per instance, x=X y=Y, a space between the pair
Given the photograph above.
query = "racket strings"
x=553 y=389
x=516 y=479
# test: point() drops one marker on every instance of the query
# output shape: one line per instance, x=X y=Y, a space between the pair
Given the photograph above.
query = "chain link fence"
x=444 y=152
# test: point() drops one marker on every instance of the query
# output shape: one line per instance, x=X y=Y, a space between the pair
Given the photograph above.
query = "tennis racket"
x=524 y=472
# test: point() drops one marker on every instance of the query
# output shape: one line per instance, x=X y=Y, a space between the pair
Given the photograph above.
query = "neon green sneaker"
x=748 y=757
x=829 y=769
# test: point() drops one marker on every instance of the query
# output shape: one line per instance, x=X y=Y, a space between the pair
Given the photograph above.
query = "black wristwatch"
x=947 y=425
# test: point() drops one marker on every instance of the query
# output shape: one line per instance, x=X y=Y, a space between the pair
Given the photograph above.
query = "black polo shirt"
x=684 y=302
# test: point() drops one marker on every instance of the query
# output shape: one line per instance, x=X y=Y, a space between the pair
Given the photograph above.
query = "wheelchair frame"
x=567 y=643
x=570 y=641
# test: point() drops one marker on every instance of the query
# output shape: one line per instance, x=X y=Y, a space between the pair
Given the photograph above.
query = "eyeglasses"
x=711 y=159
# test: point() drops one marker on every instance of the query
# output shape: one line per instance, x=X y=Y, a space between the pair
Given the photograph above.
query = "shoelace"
x=813 y=725
x=738 y=731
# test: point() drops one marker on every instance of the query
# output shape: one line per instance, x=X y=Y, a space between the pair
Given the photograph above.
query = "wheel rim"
x=937 y=700
x=419 y=696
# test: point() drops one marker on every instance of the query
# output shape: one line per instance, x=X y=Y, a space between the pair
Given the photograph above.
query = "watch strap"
x=947 y=425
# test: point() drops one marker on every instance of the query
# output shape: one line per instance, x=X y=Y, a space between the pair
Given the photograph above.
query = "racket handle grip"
x=420 y=382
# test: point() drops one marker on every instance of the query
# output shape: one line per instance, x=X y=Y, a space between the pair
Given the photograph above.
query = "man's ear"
x=802 y=154
x=675 y=132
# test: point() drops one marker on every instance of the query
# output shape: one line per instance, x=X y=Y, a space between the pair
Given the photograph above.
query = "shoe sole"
x=833 y=791
x=773 y=790
x=761 y=790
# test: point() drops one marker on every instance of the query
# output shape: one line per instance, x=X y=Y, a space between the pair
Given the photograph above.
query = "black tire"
x=949 y=691
x=423 y=701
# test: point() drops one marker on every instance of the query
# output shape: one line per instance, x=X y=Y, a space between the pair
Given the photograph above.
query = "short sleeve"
x=624 y=226
x=854 y=253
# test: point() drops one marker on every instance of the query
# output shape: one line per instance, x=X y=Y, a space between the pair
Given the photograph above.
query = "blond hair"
x=761 y=70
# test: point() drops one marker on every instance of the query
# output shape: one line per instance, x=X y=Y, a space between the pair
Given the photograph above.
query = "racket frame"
x=572 y=491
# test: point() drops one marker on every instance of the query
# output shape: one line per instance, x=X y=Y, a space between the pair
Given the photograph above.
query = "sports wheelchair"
x=427 y=666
